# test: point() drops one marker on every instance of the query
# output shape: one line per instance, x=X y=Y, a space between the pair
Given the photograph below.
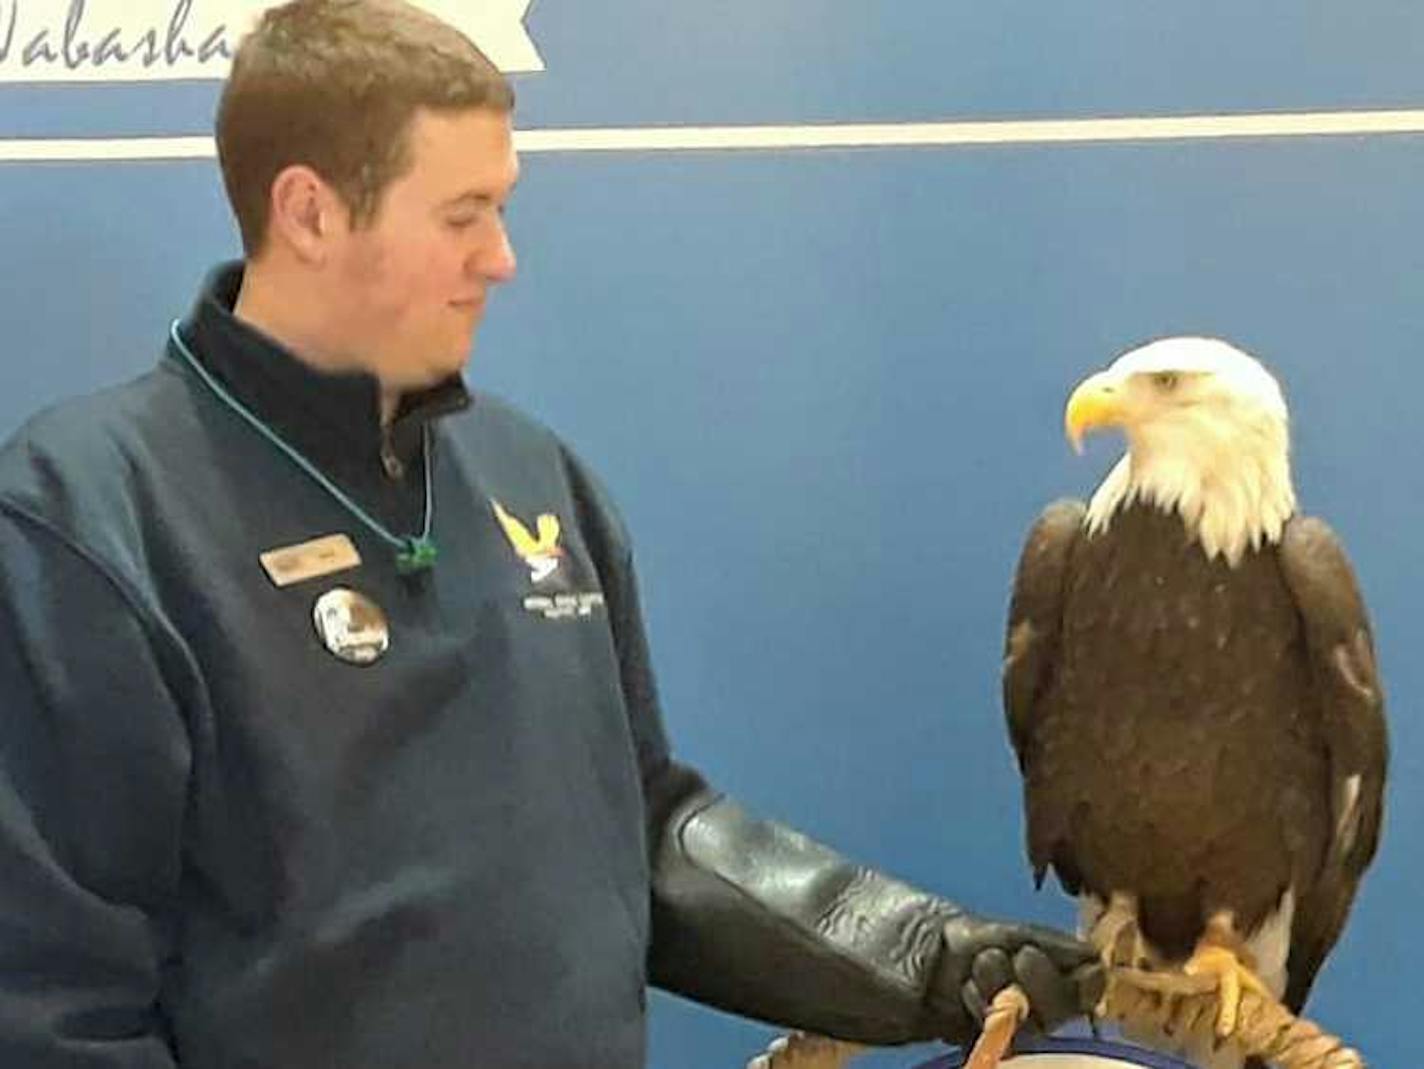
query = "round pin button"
x=351 y=626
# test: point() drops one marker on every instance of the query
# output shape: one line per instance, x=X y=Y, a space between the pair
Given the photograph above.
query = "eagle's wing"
x=1341 y=651
x=1035 y=617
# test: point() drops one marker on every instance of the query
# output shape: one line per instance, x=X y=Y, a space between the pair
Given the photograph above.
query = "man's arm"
x=757 y=919
x=93 y=781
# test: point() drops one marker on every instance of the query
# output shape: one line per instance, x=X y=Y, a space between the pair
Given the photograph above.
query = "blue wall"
x=827 y=385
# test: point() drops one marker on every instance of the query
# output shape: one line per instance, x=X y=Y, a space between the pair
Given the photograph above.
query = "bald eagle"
x=1191 y=690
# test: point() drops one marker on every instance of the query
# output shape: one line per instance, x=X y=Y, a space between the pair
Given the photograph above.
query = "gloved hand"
x=1062 y=976
x=755 y=918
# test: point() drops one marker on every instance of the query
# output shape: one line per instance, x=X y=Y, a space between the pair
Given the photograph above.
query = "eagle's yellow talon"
x=1232 y=978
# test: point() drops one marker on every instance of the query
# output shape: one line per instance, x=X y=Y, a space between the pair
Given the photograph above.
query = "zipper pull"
x=392 y=464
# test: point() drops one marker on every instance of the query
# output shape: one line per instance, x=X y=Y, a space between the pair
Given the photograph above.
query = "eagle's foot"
x=1120 y=945
x=1130 y=949
x=1232 y=978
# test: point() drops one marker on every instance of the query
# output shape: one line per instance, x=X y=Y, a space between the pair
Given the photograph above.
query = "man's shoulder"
x=82 y=449
x=529 y=451
x=500 y=437
x=491 y=417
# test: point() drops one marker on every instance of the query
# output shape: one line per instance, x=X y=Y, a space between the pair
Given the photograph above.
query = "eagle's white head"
x=1208 y=436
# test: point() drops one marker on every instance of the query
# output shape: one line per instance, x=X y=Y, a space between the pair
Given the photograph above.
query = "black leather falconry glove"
x=757 y=919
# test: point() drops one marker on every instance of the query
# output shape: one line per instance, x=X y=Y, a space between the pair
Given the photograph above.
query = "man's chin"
x=456 y=364
x=448 y=363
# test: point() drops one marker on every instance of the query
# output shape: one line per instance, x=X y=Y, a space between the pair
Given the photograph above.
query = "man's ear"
x=306 y=213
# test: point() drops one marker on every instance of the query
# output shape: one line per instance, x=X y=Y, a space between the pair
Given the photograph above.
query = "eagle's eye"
x=1166 y=380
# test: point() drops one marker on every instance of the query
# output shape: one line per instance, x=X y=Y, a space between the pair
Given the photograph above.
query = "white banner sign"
x=162 y=40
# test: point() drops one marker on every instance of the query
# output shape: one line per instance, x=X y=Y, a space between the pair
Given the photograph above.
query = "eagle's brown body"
x=1187 y=728
x=1178 y=750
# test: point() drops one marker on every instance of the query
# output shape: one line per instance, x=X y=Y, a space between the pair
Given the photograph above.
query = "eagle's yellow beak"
x=1096 y=403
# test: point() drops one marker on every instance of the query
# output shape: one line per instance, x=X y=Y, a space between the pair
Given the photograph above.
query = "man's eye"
x=1166 y=380
x=460 y=222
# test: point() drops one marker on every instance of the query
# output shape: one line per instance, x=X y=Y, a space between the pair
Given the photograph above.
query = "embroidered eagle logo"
x=542 y=553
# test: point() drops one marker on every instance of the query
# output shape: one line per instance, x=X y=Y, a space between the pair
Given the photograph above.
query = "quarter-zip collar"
x=333 y=419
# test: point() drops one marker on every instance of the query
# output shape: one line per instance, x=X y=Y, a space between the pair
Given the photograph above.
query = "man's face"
x=411 y=284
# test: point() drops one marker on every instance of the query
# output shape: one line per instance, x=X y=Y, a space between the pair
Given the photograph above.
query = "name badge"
x=310 y=560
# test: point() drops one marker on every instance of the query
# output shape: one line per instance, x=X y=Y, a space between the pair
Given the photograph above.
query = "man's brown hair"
x=334 y=85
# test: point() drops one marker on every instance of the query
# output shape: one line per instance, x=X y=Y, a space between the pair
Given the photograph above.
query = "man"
x=329 y=733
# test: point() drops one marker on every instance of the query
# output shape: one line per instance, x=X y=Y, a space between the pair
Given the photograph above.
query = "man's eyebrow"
x=468 y=197
x=476 y=196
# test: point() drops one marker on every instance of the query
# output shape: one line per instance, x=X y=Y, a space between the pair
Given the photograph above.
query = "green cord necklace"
x=414 y=553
